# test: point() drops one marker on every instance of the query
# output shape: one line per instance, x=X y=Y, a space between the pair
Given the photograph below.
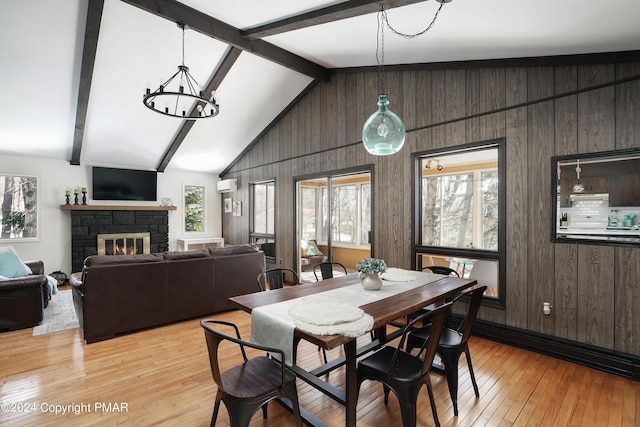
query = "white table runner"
x=272 y=325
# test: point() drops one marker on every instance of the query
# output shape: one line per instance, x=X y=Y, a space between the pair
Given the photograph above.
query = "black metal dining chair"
x=402 y=373
x=251 y=384
x=326 y=270
x=276 y=278
x=439 y=269
x=435 y=269
x=452 y=343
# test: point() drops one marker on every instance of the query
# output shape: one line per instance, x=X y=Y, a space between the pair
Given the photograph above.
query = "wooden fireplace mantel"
x=115 y=208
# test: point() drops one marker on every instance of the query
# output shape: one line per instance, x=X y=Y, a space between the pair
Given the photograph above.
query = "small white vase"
x=371 y=282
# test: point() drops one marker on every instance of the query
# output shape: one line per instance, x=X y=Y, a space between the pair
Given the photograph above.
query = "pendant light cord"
x=182 y=26
x=410 y=36
x=380 y=50
x=384 y=20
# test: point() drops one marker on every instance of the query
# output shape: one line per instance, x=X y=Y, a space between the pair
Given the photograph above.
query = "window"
x=460 y=208
x=193 y=208
x=18 y=207
x=309 y=207
x=344 y=212
x=348 y=218
x=461 y=213
x=262 y=211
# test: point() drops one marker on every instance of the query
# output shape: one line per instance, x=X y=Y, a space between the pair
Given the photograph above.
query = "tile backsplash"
x=595 y=211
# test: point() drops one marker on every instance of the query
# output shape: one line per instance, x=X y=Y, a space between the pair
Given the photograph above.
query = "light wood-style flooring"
x=161 y=377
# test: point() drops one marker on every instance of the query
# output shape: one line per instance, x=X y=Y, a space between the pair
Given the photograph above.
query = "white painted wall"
x=55 y=176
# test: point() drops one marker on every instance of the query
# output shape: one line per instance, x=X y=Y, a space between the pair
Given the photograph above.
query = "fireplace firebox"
x=124 y=244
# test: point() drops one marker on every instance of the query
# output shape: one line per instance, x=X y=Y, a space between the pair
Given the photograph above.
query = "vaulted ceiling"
x=74 y=71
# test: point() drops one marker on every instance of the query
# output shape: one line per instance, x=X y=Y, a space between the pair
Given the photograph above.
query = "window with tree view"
x=193 y=208
x=18 y=206
x=346 y=216
x=460 y=203
x=460 y=214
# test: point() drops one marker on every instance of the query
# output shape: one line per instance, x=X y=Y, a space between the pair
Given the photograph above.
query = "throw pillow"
x=11 y=266
x=313 y=249
x=304 y=249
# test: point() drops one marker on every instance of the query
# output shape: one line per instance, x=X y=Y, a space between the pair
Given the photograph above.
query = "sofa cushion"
x=177 y=255
x=10 y=264
x=95 y=260
x=233 y=250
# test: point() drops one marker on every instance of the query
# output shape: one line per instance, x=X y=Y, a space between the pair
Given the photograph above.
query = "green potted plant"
x=370 y=270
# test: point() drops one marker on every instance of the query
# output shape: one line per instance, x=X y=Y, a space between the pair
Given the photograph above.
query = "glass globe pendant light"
x=384 y=132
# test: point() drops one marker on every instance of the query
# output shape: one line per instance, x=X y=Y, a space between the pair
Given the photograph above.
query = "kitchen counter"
x=626 y=234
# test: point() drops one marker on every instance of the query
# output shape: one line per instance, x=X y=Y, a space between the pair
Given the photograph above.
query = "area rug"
x=59 y=315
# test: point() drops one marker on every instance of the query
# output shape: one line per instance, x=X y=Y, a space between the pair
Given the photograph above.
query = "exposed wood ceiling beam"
x=205 y=24
x=219 y=75
x=347 y=9
x=92 y=31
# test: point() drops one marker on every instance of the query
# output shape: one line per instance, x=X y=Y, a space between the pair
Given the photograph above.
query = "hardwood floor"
x=161 y=377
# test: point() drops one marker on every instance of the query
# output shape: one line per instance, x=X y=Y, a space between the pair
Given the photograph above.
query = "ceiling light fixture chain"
x=384 y=132
x=411 y=36
x=380 y=51
x=179 y=93
x=182 y=27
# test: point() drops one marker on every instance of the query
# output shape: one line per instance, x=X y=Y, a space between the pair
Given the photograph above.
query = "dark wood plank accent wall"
x=541 y=111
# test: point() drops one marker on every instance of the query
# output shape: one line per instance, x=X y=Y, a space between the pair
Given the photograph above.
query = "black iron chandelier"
x=175 y=96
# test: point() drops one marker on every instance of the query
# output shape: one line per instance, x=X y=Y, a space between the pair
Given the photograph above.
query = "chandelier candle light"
x=384 y=132
x=178 y=92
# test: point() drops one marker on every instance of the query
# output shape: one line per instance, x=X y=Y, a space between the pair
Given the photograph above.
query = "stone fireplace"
x=87 y=224
x=124 y=243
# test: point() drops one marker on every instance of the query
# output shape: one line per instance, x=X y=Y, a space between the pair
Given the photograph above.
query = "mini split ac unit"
x=227 y=185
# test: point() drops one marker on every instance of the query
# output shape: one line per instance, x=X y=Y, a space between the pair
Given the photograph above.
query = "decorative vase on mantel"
x=371 y=282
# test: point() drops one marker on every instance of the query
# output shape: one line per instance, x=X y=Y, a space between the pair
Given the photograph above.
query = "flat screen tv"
x=124 y=184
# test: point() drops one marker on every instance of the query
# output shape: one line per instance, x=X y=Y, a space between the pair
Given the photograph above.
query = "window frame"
x=203 y=207
x=498 y=255
x=255 y=237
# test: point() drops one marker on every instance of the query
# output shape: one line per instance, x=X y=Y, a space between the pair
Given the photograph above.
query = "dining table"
x=394 y=301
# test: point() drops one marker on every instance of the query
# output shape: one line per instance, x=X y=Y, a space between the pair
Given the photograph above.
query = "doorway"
x=333 y=219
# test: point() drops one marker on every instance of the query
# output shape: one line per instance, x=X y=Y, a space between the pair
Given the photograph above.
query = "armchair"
x=23 y=299
x=310 y=255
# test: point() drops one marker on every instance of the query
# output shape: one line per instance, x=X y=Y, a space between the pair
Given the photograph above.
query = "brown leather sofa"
x=123 y=293
x=23 y=299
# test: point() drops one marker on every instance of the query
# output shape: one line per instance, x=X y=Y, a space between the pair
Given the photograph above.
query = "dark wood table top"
x=383 y=311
